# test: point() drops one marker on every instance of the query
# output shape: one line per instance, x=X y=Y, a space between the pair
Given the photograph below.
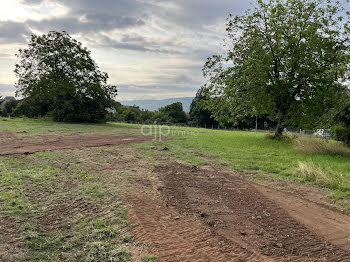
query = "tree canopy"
x=199 y=113
x=174 y=113
x=58 y=73
x=288 y=59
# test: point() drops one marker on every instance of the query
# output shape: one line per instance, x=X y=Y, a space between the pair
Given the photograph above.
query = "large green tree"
x=199 y=112
x=57 y=70
x=288 y=59
x=173 y=113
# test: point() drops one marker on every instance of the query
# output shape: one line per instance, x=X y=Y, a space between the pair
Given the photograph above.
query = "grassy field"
x=47 y=127
x=259 y=156
x=72 y=228
x=251 y=152
x=30 y=184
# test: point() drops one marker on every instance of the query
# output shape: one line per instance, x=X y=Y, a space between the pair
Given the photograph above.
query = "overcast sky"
x=149 y=48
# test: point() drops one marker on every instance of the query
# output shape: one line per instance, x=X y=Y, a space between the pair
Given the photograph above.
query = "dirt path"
x=11 y=145
x=332 y=225
x=204 y=215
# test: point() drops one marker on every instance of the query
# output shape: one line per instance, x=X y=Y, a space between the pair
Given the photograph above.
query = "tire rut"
x=233 y=210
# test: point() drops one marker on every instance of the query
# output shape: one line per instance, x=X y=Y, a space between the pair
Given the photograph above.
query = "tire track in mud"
x=175 y=238
x=234 y=210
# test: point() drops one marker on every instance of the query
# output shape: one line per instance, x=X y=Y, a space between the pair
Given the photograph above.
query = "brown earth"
x=206 y=215
x=11 y=145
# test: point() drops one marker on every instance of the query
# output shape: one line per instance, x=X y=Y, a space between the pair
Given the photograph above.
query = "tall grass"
x=315 y=145
x=324 y=177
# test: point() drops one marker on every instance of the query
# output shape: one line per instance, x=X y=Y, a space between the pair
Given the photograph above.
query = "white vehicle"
x=325 y=133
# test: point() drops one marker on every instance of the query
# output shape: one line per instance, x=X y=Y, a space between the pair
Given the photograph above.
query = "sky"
x=151 y=49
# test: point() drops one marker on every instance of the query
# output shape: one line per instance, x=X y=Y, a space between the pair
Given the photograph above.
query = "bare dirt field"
x=180 y=212
x=10 y=144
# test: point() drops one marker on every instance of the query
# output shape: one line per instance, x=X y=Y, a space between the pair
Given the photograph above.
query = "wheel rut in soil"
x=205 y=215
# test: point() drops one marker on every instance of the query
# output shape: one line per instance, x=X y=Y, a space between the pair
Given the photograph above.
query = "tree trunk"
x=279 y=129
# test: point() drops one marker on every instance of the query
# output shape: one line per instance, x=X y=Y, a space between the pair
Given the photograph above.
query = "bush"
x=341 y=133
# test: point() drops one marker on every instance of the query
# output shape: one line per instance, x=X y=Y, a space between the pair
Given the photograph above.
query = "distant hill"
x=154 y=105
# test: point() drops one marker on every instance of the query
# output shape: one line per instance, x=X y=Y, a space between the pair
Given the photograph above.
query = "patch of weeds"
x=99 y=240
x=149 y=259
x=124 y=173
x=191 y=159
x=15 y=204
x=316 y=145
x=85 y=176
x=340 y=198
x=120 y=214
x=43 y=246
x=92 y=191
x=96 y=229
x=13 y=170
x=16 y=176
x=285 y=137
x=101 y=252
x=323 y=177
x=128 y=238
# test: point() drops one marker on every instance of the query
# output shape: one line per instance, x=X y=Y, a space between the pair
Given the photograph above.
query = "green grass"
x=327 y=166
x=254 y=153
x=30 y=185
x=249 y=152
x=45 y=126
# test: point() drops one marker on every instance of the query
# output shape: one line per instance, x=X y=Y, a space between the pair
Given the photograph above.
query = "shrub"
x=341 y=133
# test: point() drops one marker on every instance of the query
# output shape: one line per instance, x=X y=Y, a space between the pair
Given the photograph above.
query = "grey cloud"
x=94 y=23
x=6 y=56
x=87 y=16
x=13 y=32
x=180 y=79
x=111 y=14
x=196 y=13
x=7 y=90
x=132 y=8
x=131 y=42
x=32 y=2
x=152 y=91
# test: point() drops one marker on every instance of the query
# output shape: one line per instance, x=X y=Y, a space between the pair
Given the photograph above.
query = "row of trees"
x=169 y=114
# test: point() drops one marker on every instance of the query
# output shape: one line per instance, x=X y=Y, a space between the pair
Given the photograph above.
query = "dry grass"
x=323 y=177
x=315 y=145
